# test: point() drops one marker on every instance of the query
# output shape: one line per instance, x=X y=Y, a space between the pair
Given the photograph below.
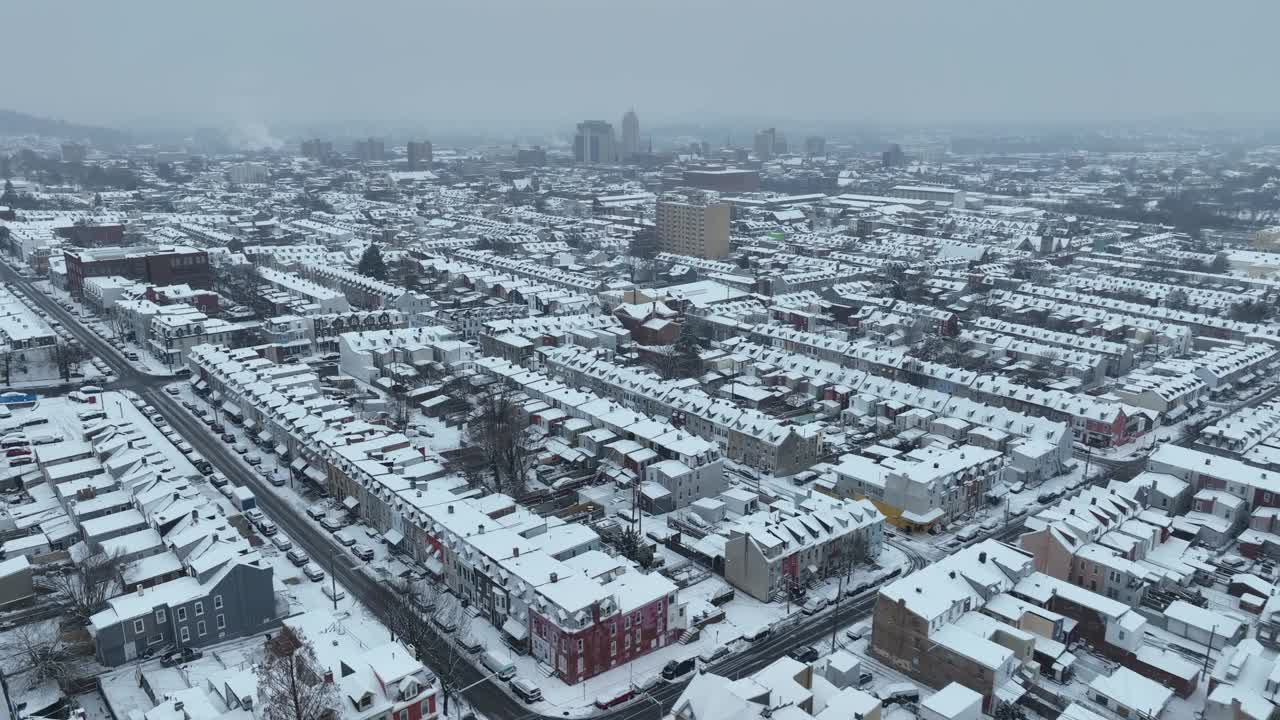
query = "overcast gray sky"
x=510 y=64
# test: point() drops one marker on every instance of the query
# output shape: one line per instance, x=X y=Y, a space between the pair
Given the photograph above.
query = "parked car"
x=298 y=557
x=267 y=527
x=240 y=448
x=677 y=668
x=713 y=654
x=15 y=452
x=173 y=390
x=282 y=542
x=253 y=459
x=332 y=524
x=254 y=515
x=218 y=480
x=364 y=552
x=181 y=657
x=316 y=512
x=898 y=693
x=857 y=632
x=806 y=654
x=313 y=571
x=814 y=606
x=344 y=538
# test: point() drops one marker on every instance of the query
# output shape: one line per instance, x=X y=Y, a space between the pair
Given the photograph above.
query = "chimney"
x=328 y=677
x=480 y=529
x=450 y=509
x=555 y=577
x=139 y=591
x=515 y=552
x=982 y=556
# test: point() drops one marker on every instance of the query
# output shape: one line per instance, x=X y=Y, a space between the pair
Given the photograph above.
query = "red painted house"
x=582 y=629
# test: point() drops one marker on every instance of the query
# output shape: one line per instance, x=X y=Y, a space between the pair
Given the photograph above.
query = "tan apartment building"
x=693 y=223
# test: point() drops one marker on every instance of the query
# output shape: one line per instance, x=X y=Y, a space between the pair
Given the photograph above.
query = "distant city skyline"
x=295 y=64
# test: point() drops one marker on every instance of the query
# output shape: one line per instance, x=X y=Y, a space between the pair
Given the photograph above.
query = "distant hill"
x=16 y=123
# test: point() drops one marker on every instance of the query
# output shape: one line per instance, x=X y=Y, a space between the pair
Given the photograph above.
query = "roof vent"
x=982 y=556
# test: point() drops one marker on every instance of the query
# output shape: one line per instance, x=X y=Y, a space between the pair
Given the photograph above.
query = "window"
x=154 y=639
x=613 y=626
x=626 y=623
x=626 y=642
x=182 y=614
x=185 y=634
x=579 y=644
x=613 y=647
x=1120 y=634
x=200 y=628
x=139 y=626
x=222 y=622
x=404 y=714
x=217 y=602
x=581 y=666
x=160 y=617
x=199 y=608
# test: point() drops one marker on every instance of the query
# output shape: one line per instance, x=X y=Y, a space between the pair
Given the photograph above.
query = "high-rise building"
x=692 y=222
x=815 y=145
x=74 y=152
x=370 y=150
x=893 y=157
x=630 y=135
x=595 y=143
x=770 y=142
x=419 y=154
x=535 y=156
x=316 y=149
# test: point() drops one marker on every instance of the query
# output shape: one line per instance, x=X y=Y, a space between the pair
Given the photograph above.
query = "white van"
x=500 y=666
x=526 y=690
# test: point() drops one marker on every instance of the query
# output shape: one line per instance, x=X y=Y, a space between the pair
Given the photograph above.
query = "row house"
x=925 y=487
x=403 y=493
x=1257 y=487
x=684 y=465
x=361 y=291
x=744 y=435
x=868 y=393
x=793 y=543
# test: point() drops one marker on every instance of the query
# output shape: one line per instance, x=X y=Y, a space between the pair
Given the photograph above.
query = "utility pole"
x=1212 y=633
x=835 y=614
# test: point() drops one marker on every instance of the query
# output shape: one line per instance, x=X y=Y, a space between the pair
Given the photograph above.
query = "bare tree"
x=42 y=653
x=495 y=427
x=291 y=682
x=400 y=410
x=67 y=356
x=87 y=589
x=416 y=618
x=119 y=324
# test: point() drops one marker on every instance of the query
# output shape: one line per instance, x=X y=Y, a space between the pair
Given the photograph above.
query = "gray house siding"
x=243 y=601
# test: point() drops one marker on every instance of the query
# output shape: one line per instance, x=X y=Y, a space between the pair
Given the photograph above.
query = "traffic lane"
x=72 y=325
x=317 y=543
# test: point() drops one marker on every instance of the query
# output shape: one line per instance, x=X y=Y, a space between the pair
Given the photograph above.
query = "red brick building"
x=172 y=265
x=634 y=619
